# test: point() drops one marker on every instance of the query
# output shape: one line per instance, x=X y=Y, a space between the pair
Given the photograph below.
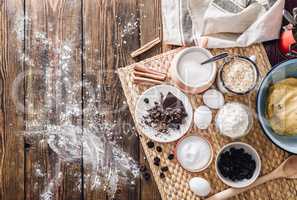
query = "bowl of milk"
x=188 y=74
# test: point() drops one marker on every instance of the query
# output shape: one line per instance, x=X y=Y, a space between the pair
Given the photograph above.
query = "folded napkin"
x=225 y=23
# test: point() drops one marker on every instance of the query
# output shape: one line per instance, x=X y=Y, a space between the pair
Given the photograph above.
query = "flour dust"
x=57 y=122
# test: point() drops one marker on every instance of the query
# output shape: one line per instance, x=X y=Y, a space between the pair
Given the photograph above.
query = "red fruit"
x=286 y=40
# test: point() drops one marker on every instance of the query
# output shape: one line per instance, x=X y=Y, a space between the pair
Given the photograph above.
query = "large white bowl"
x=153 y=94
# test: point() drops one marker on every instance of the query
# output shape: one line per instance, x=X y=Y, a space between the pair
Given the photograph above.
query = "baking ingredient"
x=234 y=120
x=164 y=169
x=202 y=117
x=199 y=186
x=146 y=176
x=150 y=144
x=157 y=161
x=282 y=107
x=168 y=113
x=194 y=153
x=159 y=149
x=213 y=99
x=239 y=75
x=170 y=156
x=236 y=164
x=192 y=72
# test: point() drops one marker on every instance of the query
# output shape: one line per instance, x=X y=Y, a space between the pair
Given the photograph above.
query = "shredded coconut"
x=233 y=120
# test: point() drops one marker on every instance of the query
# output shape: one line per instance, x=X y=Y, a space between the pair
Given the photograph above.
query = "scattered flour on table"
x=58 y=124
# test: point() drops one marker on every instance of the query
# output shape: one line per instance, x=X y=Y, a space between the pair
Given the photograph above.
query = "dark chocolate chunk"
x=169 y=113
x=159 y=149
x=170 y=156
x=150 y=144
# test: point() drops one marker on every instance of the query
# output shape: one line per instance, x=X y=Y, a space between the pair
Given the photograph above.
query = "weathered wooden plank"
x=53 y=40
x=111 y=33
x=150 y=28
x=11 y=120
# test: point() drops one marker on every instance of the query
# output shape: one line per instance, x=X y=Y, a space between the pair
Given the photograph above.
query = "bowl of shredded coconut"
x=234 y=120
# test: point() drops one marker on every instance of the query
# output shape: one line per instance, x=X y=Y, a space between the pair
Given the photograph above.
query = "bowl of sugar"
x=188 y=74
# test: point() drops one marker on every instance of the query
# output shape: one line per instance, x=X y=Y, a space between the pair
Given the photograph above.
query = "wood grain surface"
x=102 y=40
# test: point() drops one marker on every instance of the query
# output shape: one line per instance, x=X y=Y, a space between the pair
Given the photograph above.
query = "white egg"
x=200 y=186
x=213 y=99
x=202 y=117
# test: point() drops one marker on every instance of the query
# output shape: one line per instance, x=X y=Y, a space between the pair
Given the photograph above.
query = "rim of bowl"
x=137 y=124
x=274 y=67
x=178 y=57
x=210 y=159
x=256 y=173
x=255 y=68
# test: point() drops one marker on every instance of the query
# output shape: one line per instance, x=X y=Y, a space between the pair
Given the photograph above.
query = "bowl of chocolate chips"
x=238 y=164
x=163 y=113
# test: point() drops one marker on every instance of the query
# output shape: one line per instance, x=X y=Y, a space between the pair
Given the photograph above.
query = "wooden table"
x=102 y=40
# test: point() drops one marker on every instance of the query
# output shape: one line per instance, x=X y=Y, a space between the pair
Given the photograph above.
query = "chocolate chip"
x=170 y=156
x=146 y=176
x=164 y=169
x=159 y=149
x=150 y=144
x=162 y=175
x=146 y=100
x=142 y=168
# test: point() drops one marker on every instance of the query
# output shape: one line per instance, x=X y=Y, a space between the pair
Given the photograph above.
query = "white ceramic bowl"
x=250 y=150
x=186 y=54
x=194 y=137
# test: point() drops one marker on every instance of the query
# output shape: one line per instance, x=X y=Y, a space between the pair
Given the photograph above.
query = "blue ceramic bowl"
x=282 y=71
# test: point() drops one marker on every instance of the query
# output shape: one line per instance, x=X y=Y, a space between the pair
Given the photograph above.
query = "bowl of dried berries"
x=238 y=164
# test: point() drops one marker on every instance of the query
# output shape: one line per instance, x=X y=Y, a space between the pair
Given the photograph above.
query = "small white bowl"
x=250 y=150
x=198 y=139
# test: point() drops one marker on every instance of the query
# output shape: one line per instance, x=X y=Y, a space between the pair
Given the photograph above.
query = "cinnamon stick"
x=145 y=47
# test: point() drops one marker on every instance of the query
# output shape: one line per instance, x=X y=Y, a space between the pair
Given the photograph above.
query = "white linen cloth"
x=225 y=23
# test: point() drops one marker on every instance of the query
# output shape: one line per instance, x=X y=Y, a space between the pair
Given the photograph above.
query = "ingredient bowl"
x=188 y=74
x=280 y=72
x=244 y=182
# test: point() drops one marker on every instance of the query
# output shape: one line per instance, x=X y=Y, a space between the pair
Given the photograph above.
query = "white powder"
x=193 y=153
x=191 y=71
x=233 y=120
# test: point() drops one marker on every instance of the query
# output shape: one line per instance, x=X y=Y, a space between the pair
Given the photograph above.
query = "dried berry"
x=170 y=156
x=157 y=161
x=162 y=175
x=146 y=176
x=236 y=164
x=164 y=169
x=159 y=149
x=146 y=100
x=150 y=144
x=142 y=168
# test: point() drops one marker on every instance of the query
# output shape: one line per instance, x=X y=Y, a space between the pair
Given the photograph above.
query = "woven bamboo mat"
x=175 y=185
